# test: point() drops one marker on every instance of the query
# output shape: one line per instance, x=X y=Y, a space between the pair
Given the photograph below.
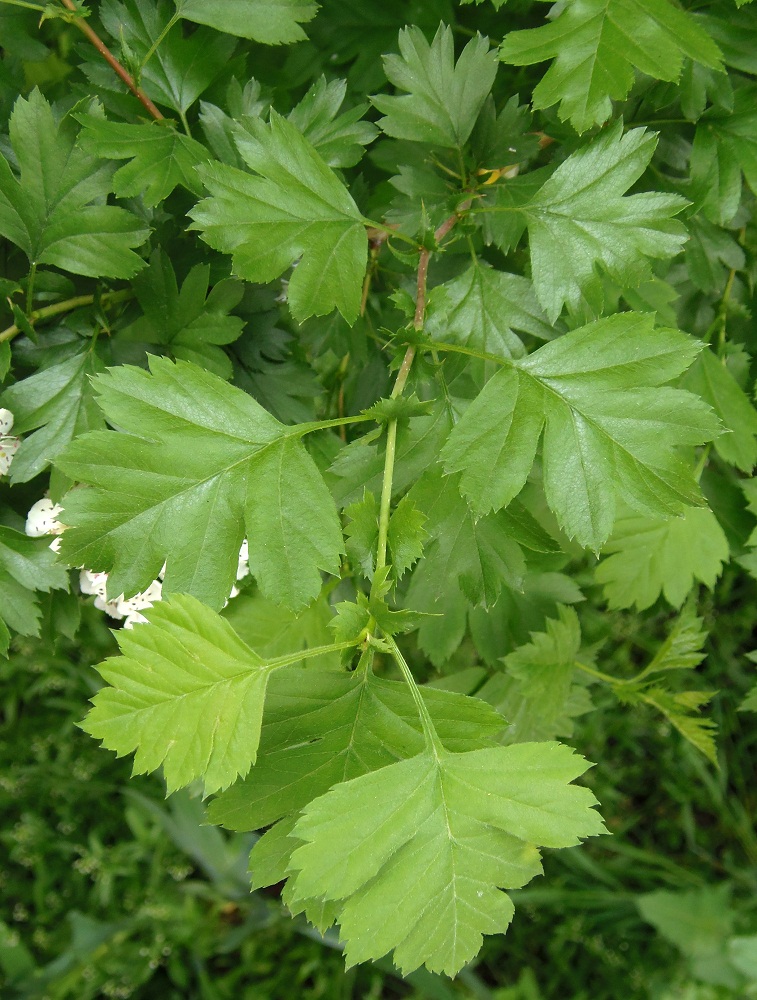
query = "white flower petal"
x=6 y=421
x=42 y=519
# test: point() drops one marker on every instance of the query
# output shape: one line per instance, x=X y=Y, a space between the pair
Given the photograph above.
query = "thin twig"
x=49 y=312
x=108 y=56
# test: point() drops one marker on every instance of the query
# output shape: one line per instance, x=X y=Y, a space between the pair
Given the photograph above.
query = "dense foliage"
x=389 y=386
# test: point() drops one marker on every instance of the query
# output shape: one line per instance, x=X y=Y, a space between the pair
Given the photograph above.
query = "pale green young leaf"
x=683 y=646
x=273 y=22
x=293 y=208
x=649 y=556
x=442 y=97
x=682 y=650
x=711 y=379
x=482 y=307
x=186 y=693
x=469 y=823
x=679 y=709
x=340 y=139
x=198 y=466
x=26 y=566
x=54 y=210
x=581 y=222
x=608 y=427
x=537 y=694
x=321 y=728
x=182 y=67
x=160 y=158
x=52 y=407
x=597 y=44
x=191 y=323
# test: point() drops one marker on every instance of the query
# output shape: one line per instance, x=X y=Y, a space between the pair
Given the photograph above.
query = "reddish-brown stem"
x=420 y=297
x=115 y=65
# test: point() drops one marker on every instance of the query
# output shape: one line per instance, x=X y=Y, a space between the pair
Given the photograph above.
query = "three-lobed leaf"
x=649 y=556
x=186 y=693
x=537 y=693
x=160 y=158
x=582 y=222
x=55 y=209
x=442 y=97
x=292 y=209
x=596 y=44
x=457 y=828
x=198 y=466
x=609 y=427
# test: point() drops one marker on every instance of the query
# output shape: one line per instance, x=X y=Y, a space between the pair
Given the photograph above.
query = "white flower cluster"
x=129 y=610
x=42 y=520
x=9 y=445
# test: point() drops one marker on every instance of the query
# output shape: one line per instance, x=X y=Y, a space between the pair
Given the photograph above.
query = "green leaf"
x=469 y=822
x=191 y=323
x=646 y=557
x=609 y=429
x=537 y=694
x=273 y=22
x=467 y=562
x=482 y=307
x=442 y=98
x=698 y=921
x=682 y=649
x=596 y=44
x=272 y=630
x=581 y=220
x=186 y=693
x=55 y=405
x=340 y=139
x=181 y=68
x=711 y=379
x=54 y=211
x=480 y=554
x=293 y=209
x=710 y=254
x=160 y=158
x=199 y=465
x=405 y=536
x=725 y=145
x=321 y=728
x=26 y=566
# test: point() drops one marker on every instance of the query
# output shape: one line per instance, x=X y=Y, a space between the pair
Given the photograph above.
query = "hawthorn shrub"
x=361 y=370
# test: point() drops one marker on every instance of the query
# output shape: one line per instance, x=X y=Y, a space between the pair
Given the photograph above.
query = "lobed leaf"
x=608 y=428
x=186 y=693
x=470 y=823
x=198 y=466
x=293 y=209
x=54 y=210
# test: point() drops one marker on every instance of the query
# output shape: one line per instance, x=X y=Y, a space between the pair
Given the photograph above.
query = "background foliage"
x=546 y=378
